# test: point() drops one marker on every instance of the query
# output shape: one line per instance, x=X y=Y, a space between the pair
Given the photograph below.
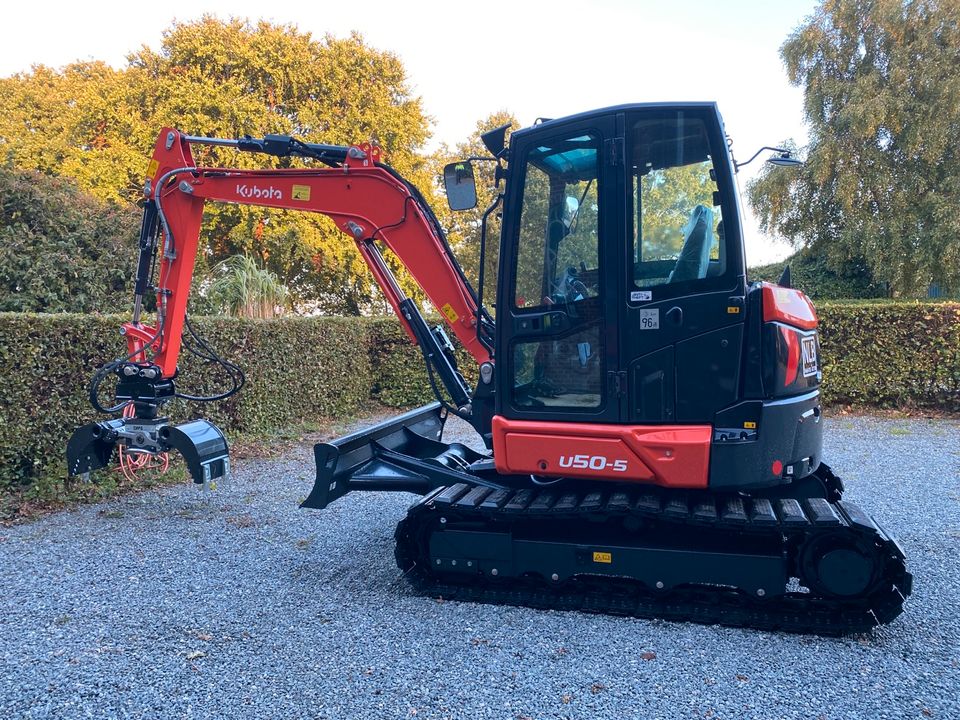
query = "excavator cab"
x=599 y=309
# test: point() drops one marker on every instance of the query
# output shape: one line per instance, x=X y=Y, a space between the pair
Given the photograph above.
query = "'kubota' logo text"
x=260 y=193
x=592 y=462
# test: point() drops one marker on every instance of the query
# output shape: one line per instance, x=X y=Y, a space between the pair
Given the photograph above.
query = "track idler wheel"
x=839 y=566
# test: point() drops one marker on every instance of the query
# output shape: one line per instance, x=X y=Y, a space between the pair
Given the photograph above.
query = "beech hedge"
x=300 y=370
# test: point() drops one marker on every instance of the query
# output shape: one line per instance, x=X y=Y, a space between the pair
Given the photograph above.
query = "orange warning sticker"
x=733 y=310
x=152 y=168
x=602 y=557
x=300 y=192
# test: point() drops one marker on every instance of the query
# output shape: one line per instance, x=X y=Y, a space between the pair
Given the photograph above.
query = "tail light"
x=791 y=352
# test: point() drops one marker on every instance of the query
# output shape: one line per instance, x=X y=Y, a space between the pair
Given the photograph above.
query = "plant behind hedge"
x=61 y=249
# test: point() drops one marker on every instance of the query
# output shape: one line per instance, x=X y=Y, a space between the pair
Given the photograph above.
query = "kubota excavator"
x=653 y=420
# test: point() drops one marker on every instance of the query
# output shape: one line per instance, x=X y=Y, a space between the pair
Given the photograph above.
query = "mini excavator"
x=652 y=420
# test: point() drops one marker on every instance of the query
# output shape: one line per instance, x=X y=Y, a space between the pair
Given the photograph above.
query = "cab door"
x=557 y=309
x=681 y=315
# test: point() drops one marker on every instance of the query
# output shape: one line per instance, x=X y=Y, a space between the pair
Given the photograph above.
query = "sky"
x=534 y=59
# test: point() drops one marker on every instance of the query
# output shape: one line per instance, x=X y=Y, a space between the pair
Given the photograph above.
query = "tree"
x=881 y=183
x=226 y=79
x=62 y=250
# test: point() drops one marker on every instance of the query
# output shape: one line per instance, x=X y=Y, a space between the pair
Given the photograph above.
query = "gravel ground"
x=238 y=605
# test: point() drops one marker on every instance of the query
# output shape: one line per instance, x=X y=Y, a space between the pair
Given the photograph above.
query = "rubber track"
x=782 y=523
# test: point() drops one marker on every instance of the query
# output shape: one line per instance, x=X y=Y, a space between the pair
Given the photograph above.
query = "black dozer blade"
x=403 y=454
x=200 y=442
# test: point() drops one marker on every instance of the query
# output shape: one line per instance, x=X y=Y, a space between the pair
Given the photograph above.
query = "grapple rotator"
x=142 y=388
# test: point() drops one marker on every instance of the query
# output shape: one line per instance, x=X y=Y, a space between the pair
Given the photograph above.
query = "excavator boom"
x=368 y=202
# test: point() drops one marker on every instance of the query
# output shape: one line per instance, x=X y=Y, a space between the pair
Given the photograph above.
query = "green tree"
x=810 y=272
x=227 y=79
x=881 y=183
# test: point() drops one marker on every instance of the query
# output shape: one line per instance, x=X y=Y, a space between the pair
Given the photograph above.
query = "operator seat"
x=695 y=253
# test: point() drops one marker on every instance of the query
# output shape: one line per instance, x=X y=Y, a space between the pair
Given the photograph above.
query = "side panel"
x=675 y=456
x=651 y=382
x=709 y=366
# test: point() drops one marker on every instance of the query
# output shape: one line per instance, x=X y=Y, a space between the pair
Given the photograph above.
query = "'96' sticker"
x=649 y=319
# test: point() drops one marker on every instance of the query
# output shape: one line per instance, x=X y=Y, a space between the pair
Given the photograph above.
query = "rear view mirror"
x=460 y=185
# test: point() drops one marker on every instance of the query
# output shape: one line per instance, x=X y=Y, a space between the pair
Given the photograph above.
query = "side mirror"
x=460 y=185
x=570 y=209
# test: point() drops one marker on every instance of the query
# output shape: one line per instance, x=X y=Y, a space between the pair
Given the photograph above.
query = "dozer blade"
x=203 y=446
x=403 y=454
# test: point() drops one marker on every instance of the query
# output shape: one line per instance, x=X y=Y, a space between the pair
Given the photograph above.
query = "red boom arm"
x=365 y=200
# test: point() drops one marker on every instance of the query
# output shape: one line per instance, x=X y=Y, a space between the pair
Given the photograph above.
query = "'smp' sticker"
x=300 y=192
x=449 y=312
x=808 y=350
x=641 y=295
x=650 y=319
x=602 y=557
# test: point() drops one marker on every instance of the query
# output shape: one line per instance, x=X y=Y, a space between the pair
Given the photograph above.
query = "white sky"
x=535 y=59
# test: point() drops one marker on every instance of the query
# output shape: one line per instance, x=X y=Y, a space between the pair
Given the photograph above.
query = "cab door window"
x=558 y=247
x=557 y=268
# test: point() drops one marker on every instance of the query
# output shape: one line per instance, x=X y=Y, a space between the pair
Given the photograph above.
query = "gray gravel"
x=238 y=605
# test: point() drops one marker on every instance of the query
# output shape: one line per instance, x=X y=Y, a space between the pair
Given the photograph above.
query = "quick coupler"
x=202 y=445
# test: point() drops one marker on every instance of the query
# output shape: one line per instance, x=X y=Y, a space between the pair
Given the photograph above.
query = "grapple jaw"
x=403 y=454
x=91 y=446
x=200 y=442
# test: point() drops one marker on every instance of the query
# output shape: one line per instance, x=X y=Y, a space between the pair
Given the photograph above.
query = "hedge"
x=894 y=354
x=303 y=369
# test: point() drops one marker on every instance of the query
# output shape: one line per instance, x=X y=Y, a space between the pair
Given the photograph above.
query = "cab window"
x=677 y=221
x=558 y=247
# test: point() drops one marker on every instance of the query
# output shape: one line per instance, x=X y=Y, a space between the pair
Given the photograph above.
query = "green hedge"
x=895 y=354
x=300 y=370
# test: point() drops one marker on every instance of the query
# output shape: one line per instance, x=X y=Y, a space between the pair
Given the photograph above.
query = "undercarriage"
x=796 y=558
x=810 y=566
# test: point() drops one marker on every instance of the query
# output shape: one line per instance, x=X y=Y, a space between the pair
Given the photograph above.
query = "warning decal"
x=449 y=312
